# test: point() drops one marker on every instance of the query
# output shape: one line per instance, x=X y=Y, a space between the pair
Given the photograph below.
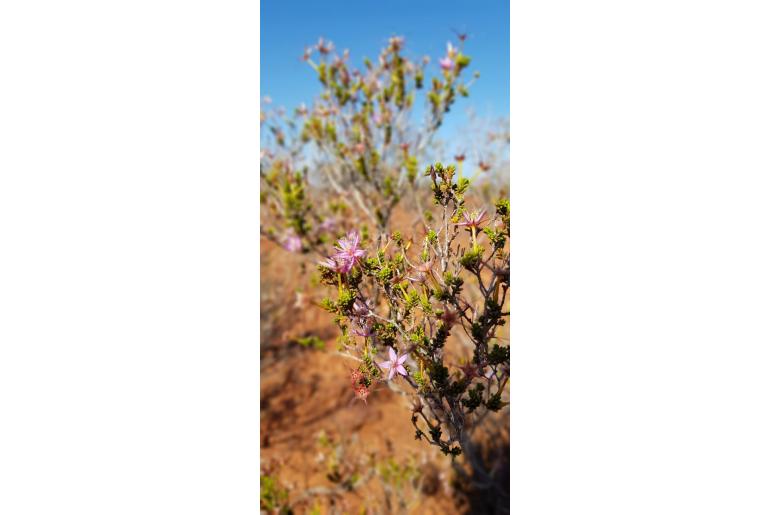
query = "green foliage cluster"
x=272 y=497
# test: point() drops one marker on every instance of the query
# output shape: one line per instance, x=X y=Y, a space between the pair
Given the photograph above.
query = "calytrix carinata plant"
x=347 y=160
x=400 y=299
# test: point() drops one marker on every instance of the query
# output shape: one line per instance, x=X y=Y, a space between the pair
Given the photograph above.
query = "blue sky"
x=364 y=26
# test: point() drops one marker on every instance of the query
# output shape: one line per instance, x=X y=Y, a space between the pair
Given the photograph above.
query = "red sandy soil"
x=308 y=393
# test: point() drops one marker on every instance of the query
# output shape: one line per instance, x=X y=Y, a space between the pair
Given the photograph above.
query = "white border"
x=640 y=185
x=129 y=261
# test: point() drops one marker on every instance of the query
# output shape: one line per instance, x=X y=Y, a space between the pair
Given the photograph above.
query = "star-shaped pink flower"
x=332 y=264
x=364 y=329
x=474 y=220
x=395 y=364
x=348 y=251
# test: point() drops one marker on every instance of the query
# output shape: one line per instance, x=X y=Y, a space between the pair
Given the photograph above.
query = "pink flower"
x=292 y=243
x=325 y=47
x=365 y=331
x=395 y=364
x=360 y=318
x=445 y=63
x=419 y=278
x=473 y=220
x=349 y=252
x=331 y=264
x=327 y=225
x=361 y=309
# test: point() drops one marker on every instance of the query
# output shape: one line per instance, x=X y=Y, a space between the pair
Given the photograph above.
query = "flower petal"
x=401 y=359
x=392 y=354
x=401 y=370
x=390 y=374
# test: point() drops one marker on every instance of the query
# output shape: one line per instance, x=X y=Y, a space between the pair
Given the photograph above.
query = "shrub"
x=405 y=301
